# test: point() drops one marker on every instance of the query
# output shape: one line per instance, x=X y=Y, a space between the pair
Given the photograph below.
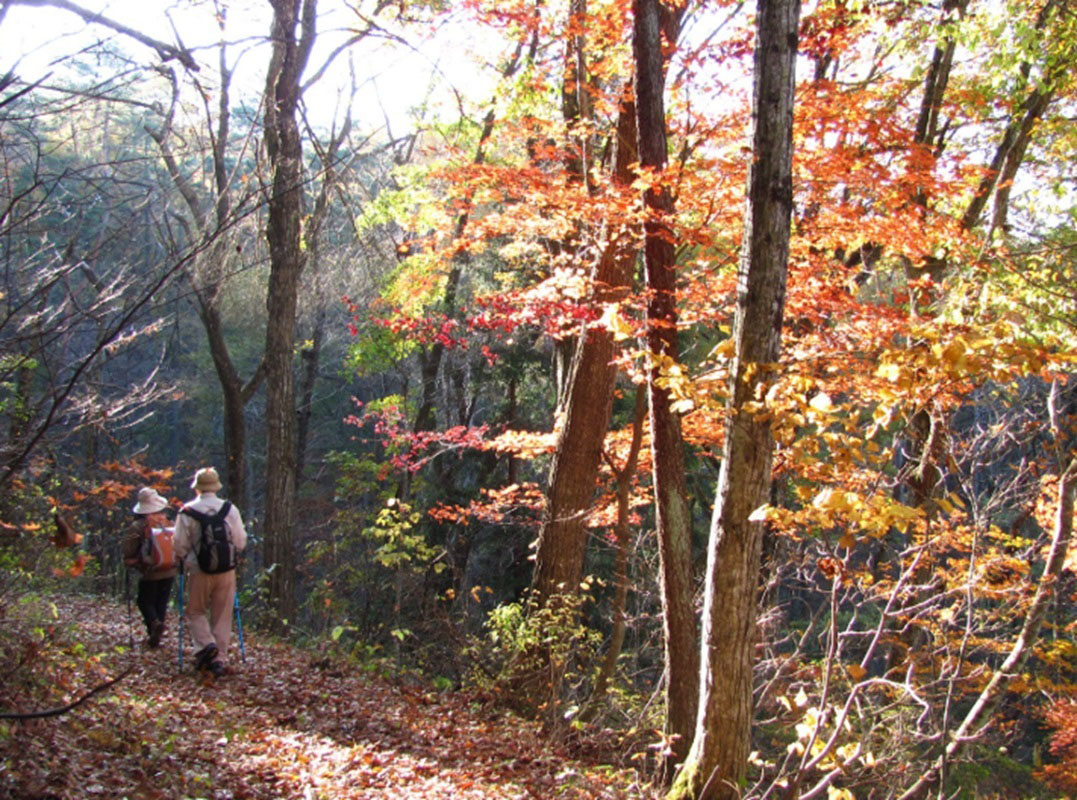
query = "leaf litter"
x=282 y=726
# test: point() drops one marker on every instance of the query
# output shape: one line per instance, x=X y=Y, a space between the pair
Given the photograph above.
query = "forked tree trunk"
x=717 y=762
x=211 y=269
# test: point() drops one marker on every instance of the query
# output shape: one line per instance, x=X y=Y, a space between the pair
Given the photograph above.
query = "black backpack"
x=216 y=553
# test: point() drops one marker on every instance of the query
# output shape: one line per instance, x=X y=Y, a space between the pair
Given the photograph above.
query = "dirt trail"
x=280 y=727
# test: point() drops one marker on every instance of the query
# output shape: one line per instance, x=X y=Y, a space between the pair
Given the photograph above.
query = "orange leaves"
x=78 y=564
x=517 y=504
x=1061 y=775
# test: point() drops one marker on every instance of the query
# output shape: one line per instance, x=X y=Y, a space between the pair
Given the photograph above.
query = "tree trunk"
x=672 y=510
x=208 y=274
x=234 y=400
x=584 y=408
x=588 y=401
x=717 y=763
x=283 y=234
x=310 y=358
x=624 y=475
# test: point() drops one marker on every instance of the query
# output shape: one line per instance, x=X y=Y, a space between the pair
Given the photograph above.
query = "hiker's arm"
x=239 y=533
x=181 y=538
x=131 y=542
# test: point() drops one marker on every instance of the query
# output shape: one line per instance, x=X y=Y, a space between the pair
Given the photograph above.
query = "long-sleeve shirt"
x=188 y=529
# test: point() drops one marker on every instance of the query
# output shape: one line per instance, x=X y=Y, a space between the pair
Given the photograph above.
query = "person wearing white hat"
x=209 y=537
x=148 y=549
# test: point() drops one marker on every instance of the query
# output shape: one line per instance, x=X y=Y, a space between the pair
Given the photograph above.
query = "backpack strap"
x=203 y=517
x=194 y=513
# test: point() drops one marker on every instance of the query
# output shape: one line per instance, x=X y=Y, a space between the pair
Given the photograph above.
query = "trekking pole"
x=239 y=627
x=179 y=604
x=127 y=596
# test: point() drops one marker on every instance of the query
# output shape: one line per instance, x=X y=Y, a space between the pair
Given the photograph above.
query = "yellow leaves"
x=856 y=672
x=807 y=725
x=953 y=358
x=955 y=354
x=616 y=324
x=836 y=500
x=684 y=393
x=893 y=372
x=874 y=515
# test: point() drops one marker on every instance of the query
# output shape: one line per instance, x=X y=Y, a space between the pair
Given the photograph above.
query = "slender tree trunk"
x=717 y=762
x=210 y=270
x=310 y=358
x=283 y=234
x=622 y=535
x=672 y=510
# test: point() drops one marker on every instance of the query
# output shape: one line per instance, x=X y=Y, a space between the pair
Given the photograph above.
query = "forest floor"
x=285 y=725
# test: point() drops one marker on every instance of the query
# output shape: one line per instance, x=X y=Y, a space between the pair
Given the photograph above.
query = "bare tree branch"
x=166 y=51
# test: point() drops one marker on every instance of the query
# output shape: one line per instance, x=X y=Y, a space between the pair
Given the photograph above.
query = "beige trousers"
x=209 y=609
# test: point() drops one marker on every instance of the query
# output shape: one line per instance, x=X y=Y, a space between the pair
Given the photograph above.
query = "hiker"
x=147 y=548
x=208 y=550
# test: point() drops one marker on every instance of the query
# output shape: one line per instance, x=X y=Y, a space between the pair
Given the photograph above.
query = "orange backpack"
x=156 y=550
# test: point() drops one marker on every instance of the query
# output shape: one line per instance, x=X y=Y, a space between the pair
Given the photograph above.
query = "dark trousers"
x=153 y=599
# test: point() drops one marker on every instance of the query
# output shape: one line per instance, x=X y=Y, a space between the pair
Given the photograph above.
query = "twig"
x=55 y=712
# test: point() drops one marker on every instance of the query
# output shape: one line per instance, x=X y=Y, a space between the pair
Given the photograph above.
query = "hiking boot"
x=157 y=628
x=204 y=657
x=217 y=668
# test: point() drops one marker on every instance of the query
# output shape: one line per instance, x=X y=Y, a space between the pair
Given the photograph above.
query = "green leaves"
x=399 y=544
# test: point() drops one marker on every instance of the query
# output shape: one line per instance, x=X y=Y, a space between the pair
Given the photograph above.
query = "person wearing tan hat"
x=147 y=548
x=211 y=570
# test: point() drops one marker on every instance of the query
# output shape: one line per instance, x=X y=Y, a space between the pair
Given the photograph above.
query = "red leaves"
x=411 y=450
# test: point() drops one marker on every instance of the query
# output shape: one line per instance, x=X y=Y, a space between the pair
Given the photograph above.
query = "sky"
x=36 y=41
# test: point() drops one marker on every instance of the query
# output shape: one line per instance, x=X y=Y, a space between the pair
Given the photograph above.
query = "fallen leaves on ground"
x=281 y=726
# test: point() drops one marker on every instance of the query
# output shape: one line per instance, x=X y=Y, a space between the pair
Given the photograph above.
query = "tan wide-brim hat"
x=149 y=502
x=206 y=480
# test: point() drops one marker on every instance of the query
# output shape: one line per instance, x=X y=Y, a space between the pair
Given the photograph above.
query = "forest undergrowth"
x=286 y=724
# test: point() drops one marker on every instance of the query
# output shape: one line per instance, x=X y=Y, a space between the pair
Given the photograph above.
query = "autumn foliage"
x=916 y=598
x=913 y=366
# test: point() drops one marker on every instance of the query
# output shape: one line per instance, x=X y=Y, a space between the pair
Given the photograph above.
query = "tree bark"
x=717 y=762
x=624 y=476
x=588 y=401
x=283 y=233
x=672 y=511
